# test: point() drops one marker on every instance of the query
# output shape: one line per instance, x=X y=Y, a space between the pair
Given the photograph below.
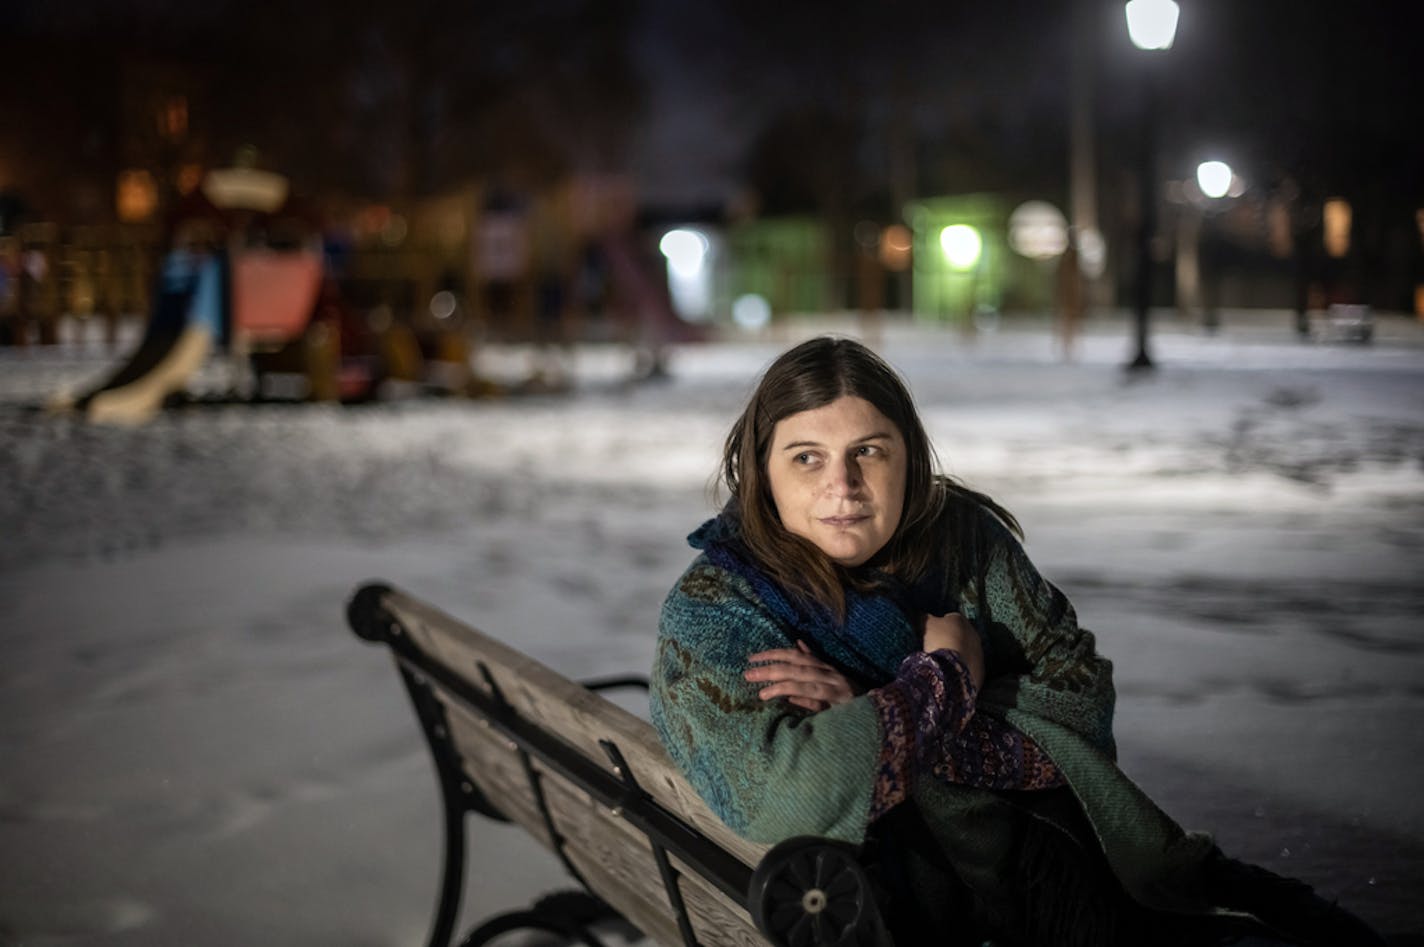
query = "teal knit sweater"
x=772 y=771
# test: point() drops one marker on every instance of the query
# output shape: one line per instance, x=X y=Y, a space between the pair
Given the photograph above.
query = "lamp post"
x=1152 y=26
x=1215 y=181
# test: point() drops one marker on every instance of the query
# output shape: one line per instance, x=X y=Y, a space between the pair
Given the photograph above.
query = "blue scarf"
x=877 y=632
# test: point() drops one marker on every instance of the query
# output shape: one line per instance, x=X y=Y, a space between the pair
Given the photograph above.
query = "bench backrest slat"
x=613 y=857
x=715 y=919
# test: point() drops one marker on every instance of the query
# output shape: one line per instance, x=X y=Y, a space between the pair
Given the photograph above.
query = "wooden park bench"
x=515 y=741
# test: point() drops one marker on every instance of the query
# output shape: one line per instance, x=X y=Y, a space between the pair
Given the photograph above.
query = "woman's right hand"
x=953 y=632
x=799 y=676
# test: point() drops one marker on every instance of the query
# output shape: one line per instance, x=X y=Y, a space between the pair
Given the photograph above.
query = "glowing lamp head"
x=1152 y=24
x=1214 y=178
x=685 y=251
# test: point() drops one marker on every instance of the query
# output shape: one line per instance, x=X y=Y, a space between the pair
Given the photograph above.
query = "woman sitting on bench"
x=863 y=651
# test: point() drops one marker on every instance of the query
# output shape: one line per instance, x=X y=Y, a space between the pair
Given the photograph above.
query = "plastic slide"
x=187 y=321
x=273 y=294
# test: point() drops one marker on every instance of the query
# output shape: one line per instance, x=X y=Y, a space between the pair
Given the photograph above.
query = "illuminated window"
x=136 y=196
x=1337 y=227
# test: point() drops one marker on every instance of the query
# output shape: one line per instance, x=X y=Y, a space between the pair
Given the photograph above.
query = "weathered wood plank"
x=615 y=859
x=578 y=716
x=494 y=766
x=716 y=919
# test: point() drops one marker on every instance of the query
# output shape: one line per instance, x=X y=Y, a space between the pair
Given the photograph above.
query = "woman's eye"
x=867 y=450
x=804 y=459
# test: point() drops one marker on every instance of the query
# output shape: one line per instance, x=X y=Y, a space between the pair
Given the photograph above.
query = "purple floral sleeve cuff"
x=928 y=722
x=930 y=699
x=991 y=754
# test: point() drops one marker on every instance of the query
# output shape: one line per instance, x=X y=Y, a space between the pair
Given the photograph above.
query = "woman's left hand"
x=800 y=677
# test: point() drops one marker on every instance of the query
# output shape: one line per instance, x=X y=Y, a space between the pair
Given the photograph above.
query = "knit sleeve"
x=1056 y=668
x=1054 y=687
x=932 y=693
x=768 y=769
x=928 y=723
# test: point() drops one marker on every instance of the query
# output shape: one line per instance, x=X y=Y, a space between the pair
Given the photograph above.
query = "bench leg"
x=452 y=878
x=568 y=914
x=453 y=802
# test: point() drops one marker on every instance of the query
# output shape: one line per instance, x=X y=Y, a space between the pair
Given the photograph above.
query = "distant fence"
x=48 y=273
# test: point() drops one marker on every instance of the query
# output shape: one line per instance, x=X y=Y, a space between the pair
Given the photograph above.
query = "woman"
x=863 y=651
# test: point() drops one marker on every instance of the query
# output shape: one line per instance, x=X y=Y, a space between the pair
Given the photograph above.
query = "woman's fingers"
x=813 y=695
x=814 y=690
x=799 y=676
x=776 y=670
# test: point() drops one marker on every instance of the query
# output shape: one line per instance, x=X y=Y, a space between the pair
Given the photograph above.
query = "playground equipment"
x=187 y=319
x=246 y=273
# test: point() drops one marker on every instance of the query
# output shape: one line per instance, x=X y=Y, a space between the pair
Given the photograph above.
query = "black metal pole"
x=1207 y=251
x=1147 y=210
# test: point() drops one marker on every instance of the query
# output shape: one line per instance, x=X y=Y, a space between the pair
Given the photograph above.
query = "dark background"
x=737 y=107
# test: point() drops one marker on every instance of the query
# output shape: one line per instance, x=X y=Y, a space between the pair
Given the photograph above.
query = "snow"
x=195 y=750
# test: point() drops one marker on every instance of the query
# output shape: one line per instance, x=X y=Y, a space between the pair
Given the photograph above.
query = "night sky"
x=374 y=97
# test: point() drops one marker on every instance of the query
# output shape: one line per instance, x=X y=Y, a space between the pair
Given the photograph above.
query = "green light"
x=962 y=246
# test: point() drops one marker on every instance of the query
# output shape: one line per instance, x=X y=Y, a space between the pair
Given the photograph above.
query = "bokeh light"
x=1337 y=217
x=1214 y=178
x=1038 y=230
x=962 y=246
x=689 y=276
x=1152 y=24
x=895 y=246
x=443 y=304
x=751 y=312
x=685 y=251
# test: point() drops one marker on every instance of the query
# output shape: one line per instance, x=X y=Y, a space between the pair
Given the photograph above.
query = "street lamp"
x=1215 y=180
x=1152 y=25
x=963 y=248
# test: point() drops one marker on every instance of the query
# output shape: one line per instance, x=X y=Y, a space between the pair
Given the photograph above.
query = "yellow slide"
x=139 y=400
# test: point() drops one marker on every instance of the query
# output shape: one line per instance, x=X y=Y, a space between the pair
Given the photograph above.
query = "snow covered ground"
x=194 y=749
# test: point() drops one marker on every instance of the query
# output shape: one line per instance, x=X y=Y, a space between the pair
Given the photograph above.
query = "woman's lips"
x=844 y=520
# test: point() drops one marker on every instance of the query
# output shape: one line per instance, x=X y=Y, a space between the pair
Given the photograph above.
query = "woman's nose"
x=843 y=477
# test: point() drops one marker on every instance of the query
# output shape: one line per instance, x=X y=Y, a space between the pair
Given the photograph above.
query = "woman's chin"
x=846 y=554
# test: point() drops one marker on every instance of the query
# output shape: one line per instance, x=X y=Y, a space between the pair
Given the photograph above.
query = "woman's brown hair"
x=809 y=376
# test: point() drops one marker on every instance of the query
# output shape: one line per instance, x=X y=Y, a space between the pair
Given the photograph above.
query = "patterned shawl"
x=772 y=771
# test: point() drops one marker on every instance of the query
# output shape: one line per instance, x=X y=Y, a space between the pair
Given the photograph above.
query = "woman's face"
x=837 y=476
